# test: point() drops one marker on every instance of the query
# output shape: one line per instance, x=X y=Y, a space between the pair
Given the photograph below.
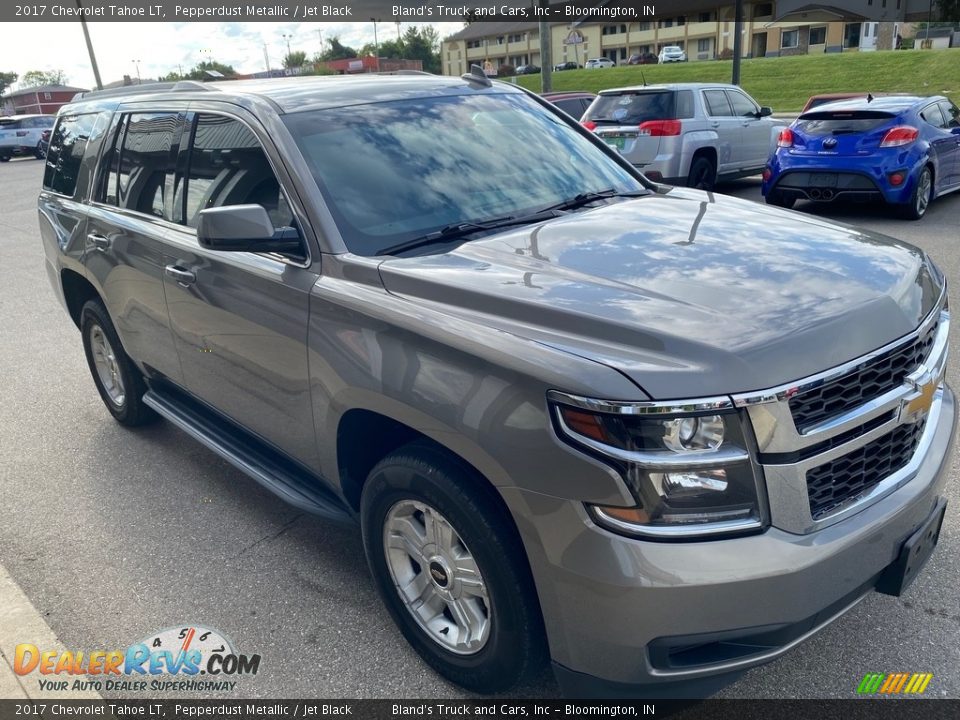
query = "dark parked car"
x=528 y=70
x=647 y=58
x=572 y=103
x=903 y=150
x=569 y=65
x=654 y=435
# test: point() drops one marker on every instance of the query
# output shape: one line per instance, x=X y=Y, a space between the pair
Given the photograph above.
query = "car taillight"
x=786 y=138
x=589 y=124
x=767 y=174
x=660 y=128
x=899 y=136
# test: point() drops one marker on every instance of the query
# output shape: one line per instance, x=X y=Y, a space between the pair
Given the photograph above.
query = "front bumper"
x=615 y=608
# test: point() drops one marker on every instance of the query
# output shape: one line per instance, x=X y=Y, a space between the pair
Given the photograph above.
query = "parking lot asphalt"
x=116 y=534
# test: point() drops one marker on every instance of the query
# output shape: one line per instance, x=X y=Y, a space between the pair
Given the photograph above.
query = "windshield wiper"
x=588 y=197
x=462 y=229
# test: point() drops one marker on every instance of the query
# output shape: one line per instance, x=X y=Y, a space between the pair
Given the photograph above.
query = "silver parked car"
x=672 y=53
x=686 y=133
x=599 y=63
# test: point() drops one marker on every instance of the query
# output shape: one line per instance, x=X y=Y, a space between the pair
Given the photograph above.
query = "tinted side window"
x=931 y=114
x=148 y=163
x=67 y=145
x=951 y=113
x=573 y=106
x=228 y=167
x=684 y=104
x=717 y=105
x=742 y=105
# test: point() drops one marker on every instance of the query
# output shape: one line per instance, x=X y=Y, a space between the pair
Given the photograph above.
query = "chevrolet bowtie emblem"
x=915 y=408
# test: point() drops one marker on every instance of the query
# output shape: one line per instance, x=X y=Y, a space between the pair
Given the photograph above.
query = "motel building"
x=770 y=29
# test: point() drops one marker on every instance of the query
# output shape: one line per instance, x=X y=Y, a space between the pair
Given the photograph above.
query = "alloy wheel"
x=108 y=369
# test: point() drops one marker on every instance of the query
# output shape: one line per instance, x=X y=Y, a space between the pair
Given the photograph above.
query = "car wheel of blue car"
x=920 y=200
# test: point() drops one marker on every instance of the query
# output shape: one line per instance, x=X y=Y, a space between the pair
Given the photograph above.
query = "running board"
x=280 y=475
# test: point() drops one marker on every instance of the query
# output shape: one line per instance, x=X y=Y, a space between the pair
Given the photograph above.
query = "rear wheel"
x=922 y=195
x=703 y=173
x=119 y=382
x=450 y=568
x=778 y=199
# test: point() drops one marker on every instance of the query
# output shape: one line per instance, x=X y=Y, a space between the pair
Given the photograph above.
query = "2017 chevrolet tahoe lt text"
x=652 y=434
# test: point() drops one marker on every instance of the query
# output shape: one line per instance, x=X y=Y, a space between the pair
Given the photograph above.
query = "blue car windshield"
x=395 y=171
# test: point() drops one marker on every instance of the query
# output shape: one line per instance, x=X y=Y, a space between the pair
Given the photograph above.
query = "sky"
x=163 y=47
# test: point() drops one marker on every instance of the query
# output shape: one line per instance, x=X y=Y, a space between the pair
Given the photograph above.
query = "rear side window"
x=573 y=106
x=68 y=142
x=842 y=123
x=717 y=105
x=228 y=167
x=931 y=114
x=634 y=108
x=148 y=161
x=10 y=124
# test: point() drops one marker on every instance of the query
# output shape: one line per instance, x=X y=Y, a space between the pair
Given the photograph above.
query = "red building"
x=43 y=100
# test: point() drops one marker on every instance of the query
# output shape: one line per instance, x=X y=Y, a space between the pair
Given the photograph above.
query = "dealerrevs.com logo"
x=894 y=683
x=172 y=660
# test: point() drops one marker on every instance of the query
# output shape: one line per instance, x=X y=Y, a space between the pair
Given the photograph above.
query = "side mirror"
x=955 y=131
x=244 y=228
x=765 y=111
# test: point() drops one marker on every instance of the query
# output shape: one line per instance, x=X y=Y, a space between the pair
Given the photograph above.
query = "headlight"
x=686 y=464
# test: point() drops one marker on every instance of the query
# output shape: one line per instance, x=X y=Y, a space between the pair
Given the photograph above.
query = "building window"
x=500 y=40
x=703 y=45
x=644 y=26
x=473 y=44
x=706 y=17
x=818 y=36
x=790 y=39
x=681 y=20
x=47 y=96
x=763 y=10
x=666 y=23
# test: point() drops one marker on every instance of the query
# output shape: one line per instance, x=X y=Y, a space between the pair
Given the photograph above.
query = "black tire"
x=129 y=409
x=5 y=158
x=39 y=153
x=703 y=173
x=420 y=473
x=917 y=207
x=778 y=199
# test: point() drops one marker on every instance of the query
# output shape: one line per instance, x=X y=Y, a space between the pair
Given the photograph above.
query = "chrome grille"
x=837 y=482
x=868 y=382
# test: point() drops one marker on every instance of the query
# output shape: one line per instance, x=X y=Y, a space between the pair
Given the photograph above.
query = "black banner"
x=854 y=709
x=569 y=11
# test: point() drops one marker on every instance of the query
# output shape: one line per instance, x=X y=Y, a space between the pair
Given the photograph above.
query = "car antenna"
x=477 y=76
x=643 y=78
x=869 y=97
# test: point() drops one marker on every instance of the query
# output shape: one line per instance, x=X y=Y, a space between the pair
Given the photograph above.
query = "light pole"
x=320 y=35
x=136 y=64
x=376 y=43
x=737 y=41
x=399 y=39
x=86 y=37
x=288 y=38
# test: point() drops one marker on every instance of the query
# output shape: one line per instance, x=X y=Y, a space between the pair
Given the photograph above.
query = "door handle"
x=715 y=124
x=101 y=242
x=181 y=275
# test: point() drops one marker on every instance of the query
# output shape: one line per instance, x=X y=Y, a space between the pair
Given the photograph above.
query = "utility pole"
x=136 y=64
x=546 y=55
x=266 y=59
x=288 y=38
x=376 y=43
x=320 y=35
x=737 y=41
x=93 y=58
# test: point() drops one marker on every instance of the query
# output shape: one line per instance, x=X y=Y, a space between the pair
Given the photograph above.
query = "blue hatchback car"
x=904 y=150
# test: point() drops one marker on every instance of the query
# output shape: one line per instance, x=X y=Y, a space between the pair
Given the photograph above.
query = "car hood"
x=687 y=293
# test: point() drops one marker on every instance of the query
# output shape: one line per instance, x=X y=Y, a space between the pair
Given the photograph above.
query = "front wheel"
x=39 y=152
x=922 y=195
x=119 y=382
x=450 y=568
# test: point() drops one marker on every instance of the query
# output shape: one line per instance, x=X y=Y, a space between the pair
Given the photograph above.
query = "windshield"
x=395 y=171
x=844 y=122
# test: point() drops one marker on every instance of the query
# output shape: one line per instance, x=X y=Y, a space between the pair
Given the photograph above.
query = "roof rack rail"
x=177 y=86
x=403 y=71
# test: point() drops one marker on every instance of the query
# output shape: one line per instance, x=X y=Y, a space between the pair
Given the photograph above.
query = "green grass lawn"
x=786 y=83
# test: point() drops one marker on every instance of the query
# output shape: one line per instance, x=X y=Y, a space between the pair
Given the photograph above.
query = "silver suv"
x=653 y=434
x=686 y=133
x=22 y=135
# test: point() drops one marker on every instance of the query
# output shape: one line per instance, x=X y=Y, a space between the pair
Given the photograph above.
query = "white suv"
x=672 y=53
x=599 y=63
x=21 y=135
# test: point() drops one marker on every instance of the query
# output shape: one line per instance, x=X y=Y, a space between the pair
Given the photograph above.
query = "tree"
x=337 y=51
x=387 y=49
x=6 y=80
x=295 y=59
x=949 y=10
x=35 y=78
x=199 y=71
x=423 y=44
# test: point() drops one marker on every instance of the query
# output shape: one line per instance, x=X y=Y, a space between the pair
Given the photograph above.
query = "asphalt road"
x=115 y=534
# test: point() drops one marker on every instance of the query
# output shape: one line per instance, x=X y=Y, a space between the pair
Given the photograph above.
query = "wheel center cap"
x=439 y=574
